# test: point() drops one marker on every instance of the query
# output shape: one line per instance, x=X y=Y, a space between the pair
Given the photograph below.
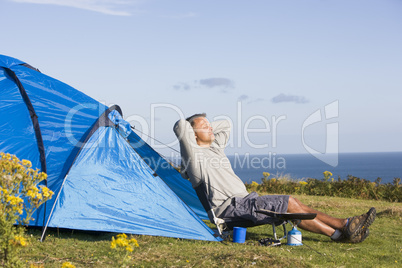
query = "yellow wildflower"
x=27 y=163
x=254 y=184
x=20 y=240
x=31 y=194
x=273 y=180
x=3 y=191
x=121 y=236
x=42 y=176
x=46 y=192
x=303 y=182
x=113 y=243
x=123 y=242
x=67 y=265
x=14 y=200
x=266 y=174
x=327 y=175
x=134 y=242
x=7 y=167
x=34 y=193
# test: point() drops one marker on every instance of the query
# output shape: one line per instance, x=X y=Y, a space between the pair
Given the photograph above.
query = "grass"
x=383 y=248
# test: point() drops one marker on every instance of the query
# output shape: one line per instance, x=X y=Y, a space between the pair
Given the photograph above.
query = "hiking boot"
x=360 y=237
x=357 y=224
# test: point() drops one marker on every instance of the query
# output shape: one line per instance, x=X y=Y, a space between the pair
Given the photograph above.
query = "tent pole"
x=51 y=212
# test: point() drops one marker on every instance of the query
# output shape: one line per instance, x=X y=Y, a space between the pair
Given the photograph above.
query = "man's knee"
x=293 y=205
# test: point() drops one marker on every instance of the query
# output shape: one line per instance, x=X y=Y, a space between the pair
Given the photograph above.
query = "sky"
x=291 y=76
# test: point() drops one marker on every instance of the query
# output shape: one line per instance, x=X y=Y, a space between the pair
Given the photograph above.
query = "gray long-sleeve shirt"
x=209 y=165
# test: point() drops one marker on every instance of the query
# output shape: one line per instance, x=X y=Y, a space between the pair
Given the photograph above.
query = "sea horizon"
x=364 y=165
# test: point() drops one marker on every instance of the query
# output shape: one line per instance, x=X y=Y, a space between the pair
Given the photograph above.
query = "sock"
x=336 y=234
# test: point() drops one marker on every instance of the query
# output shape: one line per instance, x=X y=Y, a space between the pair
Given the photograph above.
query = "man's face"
x=203 y=131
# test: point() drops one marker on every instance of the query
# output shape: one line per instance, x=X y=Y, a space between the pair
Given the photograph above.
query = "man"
x=202 y=147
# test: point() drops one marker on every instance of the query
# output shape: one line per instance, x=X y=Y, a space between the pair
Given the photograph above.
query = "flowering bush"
x=352 y=187
x=18 y=183
x=122 y=247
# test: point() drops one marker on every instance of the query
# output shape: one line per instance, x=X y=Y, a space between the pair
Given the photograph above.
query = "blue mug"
x=239 y=234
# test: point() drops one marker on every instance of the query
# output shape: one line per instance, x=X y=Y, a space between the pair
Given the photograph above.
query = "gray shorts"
x=245 y=207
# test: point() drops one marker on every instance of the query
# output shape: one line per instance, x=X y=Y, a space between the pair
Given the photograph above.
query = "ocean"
x=369 y=166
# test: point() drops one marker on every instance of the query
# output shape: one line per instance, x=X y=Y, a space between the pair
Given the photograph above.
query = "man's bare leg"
x=322 y=224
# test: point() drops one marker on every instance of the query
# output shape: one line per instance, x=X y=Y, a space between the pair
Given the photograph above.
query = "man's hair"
x=195 y=116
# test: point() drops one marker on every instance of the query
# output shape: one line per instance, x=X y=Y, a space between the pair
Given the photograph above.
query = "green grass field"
x=383 y=248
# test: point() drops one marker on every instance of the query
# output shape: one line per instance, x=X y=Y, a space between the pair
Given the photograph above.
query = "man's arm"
x=221 y=130
x=185 y=133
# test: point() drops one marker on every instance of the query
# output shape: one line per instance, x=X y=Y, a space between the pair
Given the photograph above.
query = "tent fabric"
x=33 y=116
x=167 y=172
x=162 y=168
x=64 y=115
x=106 y=188
x=107 y=184
x=17 y=133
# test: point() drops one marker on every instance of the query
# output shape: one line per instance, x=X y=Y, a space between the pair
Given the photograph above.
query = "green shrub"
x=352 y=187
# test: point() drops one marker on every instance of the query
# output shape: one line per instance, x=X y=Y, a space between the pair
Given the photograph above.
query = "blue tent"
x=105 y=177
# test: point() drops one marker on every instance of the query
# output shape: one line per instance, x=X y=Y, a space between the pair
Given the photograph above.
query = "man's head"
x=202 y=129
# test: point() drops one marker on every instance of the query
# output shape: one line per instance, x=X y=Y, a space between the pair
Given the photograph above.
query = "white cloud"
x=242 y=97
x=182 y=86
x=289 y=98
x=217 y=82
x=109 y=7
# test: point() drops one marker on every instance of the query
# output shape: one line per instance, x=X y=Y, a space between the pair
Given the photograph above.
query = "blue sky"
x=268 y=66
